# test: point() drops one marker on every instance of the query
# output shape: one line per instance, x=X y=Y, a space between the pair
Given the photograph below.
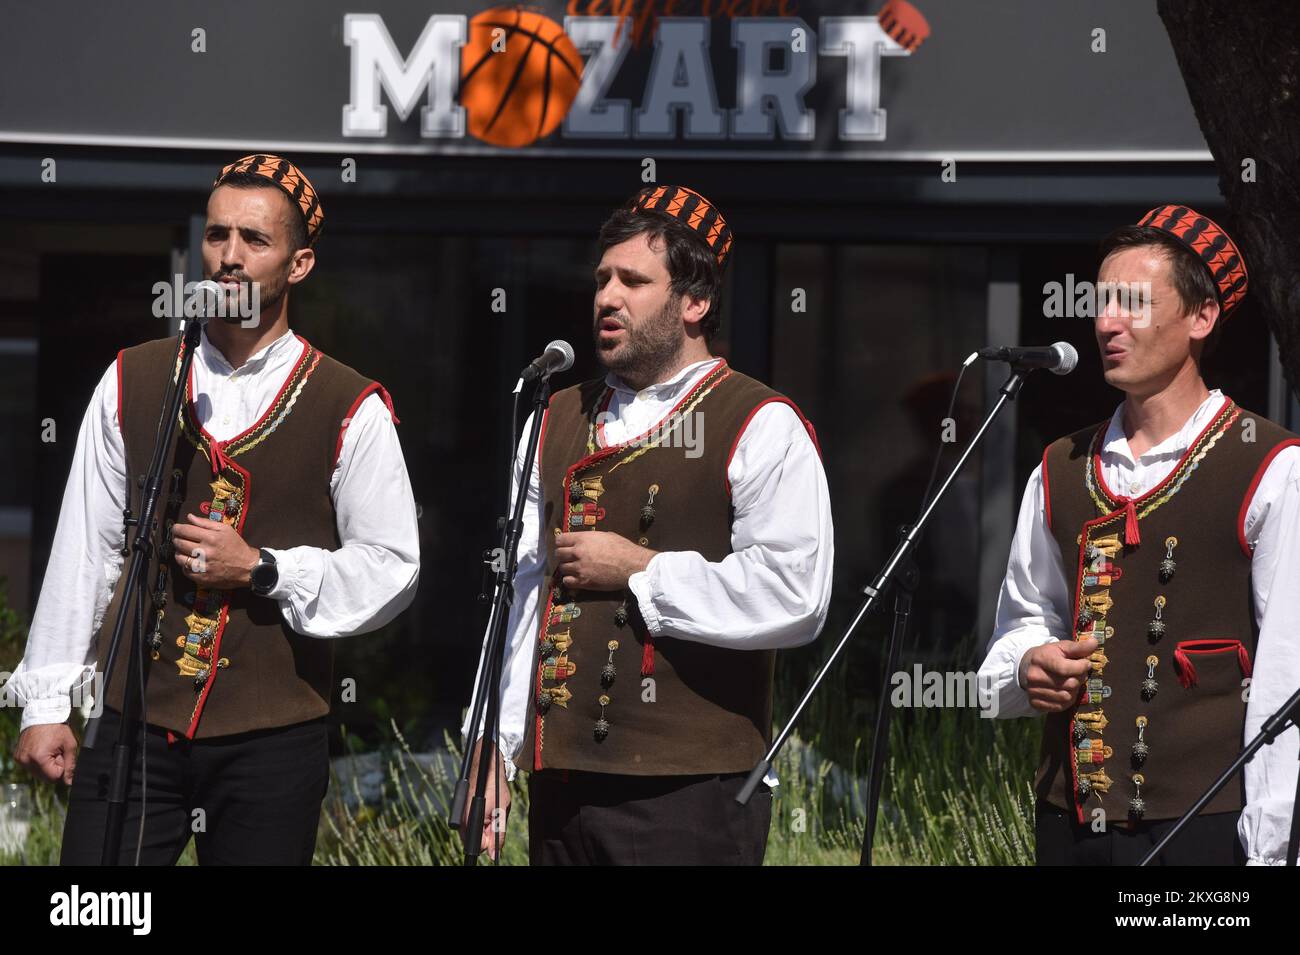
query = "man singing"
x=1150 y=606
x=288 y=521
x=678 y=532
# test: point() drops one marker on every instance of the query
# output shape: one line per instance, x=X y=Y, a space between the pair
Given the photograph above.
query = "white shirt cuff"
x=641 y=586
x=289 y=570
x=55 y=709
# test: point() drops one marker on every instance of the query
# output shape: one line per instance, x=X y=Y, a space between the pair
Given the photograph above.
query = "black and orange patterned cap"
x=1211 y=244
x=693 y=210
x=289 y=178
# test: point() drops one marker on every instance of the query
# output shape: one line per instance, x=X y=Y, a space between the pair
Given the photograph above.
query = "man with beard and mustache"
x=287 y=521
x=678 y=532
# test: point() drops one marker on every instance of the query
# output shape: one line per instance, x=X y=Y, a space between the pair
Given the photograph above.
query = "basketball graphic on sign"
x=519 y=74
x=904 y=23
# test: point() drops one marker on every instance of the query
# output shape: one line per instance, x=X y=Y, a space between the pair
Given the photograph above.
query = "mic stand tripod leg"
x=904 y=586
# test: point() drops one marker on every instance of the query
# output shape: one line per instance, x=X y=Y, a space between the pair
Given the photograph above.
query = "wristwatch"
x=265 y=574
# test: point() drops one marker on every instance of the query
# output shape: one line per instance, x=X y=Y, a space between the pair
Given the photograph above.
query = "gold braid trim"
x=1227 y=417
x=698 y=393
x=270 y=421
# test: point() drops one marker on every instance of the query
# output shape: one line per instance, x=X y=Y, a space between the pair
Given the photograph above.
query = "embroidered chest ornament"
x=1100 y=570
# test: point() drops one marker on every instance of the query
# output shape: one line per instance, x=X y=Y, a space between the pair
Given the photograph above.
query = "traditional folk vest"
x=225 y=662
x=1163 y=583
x=607 y=696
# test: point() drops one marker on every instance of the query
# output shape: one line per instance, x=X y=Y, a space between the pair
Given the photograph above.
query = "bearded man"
x=677 y=534
x=288 y=522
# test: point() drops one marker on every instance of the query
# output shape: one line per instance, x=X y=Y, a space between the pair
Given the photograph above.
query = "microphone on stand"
x=210 y=296
x=557 y=357
x=1059 y=359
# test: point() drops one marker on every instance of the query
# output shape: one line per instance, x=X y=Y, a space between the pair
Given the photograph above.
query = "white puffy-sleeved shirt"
x=321 y=593
x=1034 y=609
x=772 y=591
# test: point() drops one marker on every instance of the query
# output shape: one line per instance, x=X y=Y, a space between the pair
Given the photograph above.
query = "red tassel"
x=648 y=657
x=1244 y=657
x=1131 y=536
x=1186 y=672
x=219 y=459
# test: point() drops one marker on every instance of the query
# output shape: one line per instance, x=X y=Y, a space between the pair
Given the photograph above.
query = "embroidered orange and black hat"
x=904 y=23
x=1214 y=247
x=289 y=178
x=691 y=208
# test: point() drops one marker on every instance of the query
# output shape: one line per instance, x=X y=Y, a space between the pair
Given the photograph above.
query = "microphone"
x=209 y=295
x=557 y=357
x=1059 y=359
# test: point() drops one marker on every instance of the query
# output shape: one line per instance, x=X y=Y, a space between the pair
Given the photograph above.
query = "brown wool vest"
x=225 y=662
x=1194 y=718
x=708 y=709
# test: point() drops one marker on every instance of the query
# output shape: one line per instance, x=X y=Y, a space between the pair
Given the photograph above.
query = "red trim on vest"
x=373 y=388
x=212 y=442
x=1101 y=477
x=213 y=669
x=812 y=433
x=648 y=651
x=600 y=412
x=119 y=391
x=648 y=647
x=1254 y=485
x=1047 y=491
x=1069 y=723
x=614 y=448
x=171 y=737
x=1183 y=662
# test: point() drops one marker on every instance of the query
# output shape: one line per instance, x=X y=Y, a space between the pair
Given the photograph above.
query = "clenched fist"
x=212 y=554
x=598 y=560
x=1055 y=673
x=48 y=751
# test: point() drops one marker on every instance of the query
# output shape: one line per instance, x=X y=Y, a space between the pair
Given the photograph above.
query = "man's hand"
x=1055 y=673
x=49 y=751
x=212 y=554
x=598 y=560
x=494 y=822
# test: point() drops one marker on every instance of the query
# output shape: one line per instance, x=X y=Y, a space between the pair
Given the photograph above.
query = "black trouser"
x=259 y=794
x=1205 y=840
x=597 y=819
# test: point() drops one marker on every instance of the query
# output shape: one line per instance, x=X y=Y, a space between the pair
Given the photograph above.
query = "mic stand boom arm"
x=882 y=582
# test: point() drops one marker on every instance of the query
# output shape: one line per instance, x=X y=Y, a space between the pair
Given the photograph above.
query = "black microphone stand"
x=899 y=562
x=134 y=598
x=1273 y=727
x=487 y=695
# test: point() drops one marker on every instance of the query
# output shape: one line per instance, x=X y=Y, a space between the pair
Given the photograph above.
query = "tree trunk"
x=1241 y=64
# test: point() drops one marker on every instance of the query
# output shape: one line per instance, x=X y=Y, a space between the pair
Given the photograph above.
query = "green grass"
x=957 y=793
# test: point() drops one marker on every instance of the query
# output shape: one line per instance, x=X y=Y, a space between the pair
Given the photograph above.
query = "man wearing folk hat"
x=1149 y=606
x=678 y=533
x=288 y=521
